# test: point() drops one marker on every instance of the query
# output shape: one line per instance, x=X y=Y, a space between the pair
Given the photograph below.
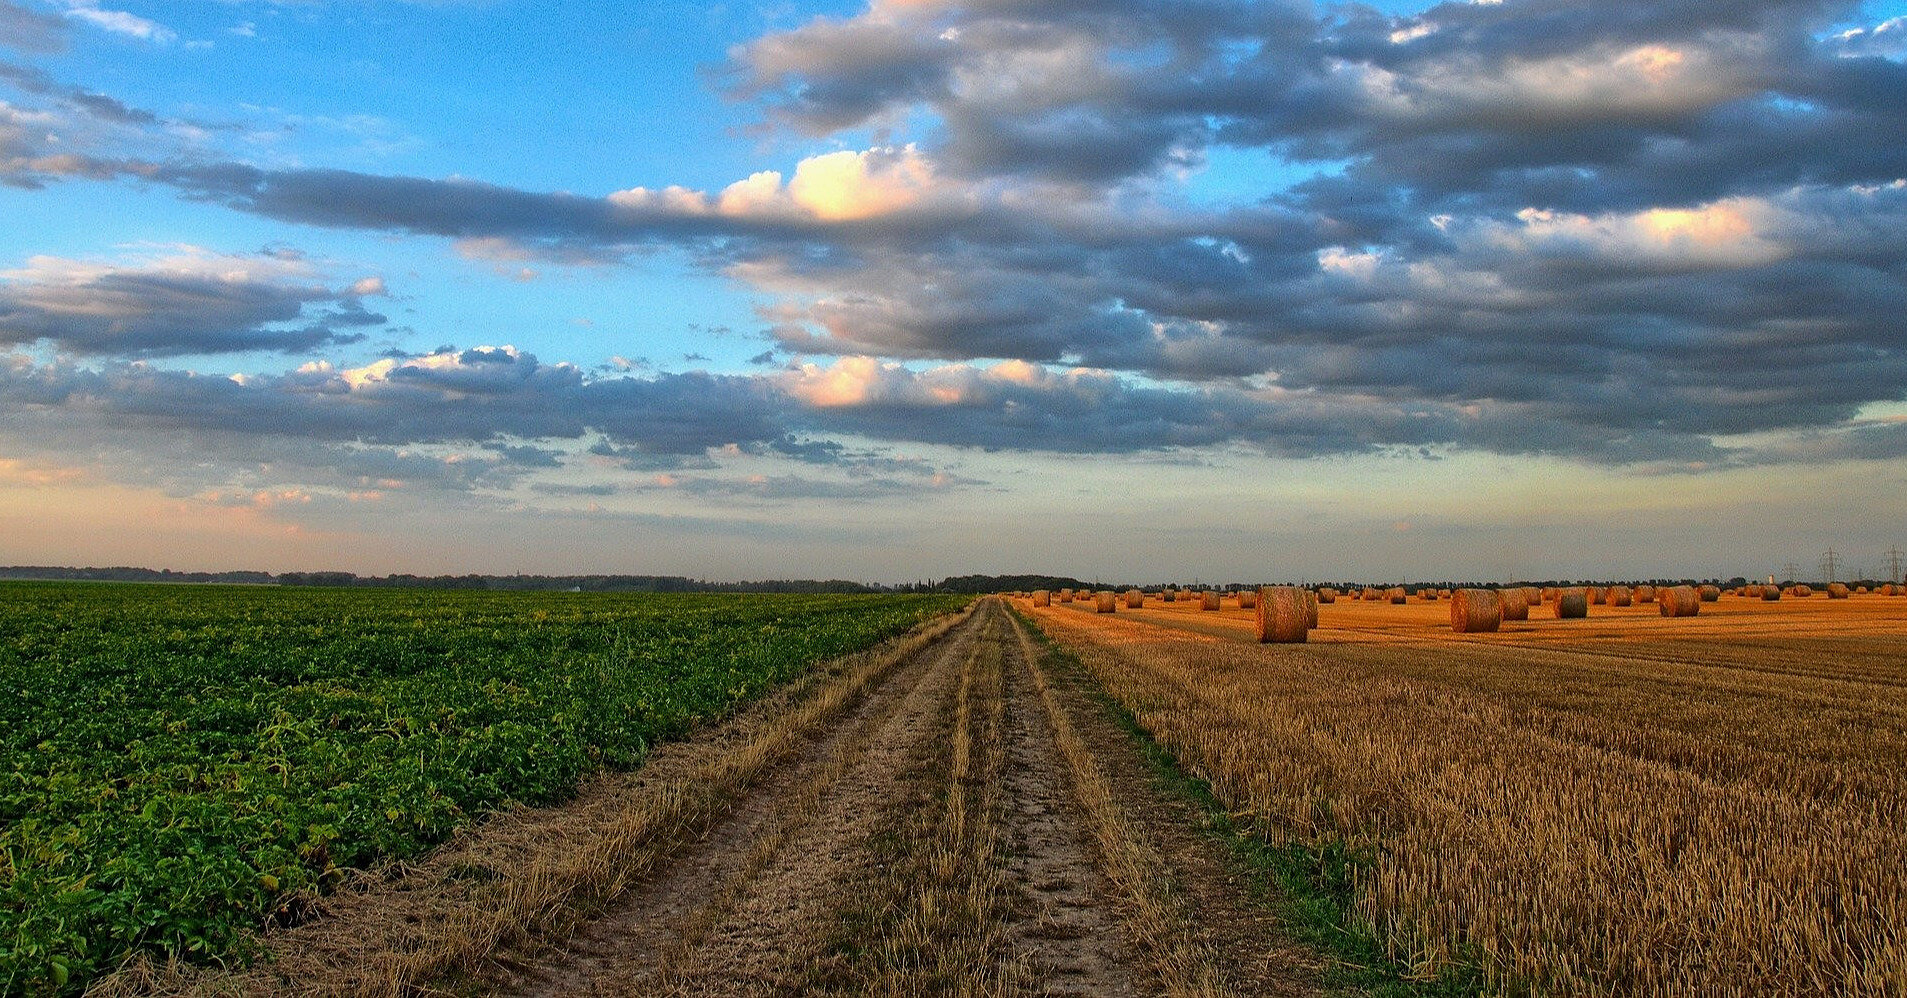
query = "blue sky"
x=920 y=287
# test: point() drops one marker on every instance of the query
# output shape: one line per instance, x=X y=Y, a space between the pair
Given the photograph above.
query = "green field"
x=179 y=765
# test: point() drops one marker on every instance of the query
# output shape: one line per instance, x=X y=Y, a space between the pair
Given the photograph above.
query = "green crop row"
x=181 y=765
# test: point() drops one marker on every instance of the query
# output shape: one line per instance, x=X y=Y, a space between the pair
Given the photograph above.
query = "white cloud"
x=120 y=22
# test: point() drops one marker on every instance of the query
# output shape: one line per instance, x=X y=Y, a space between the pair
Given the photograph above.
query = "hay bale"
x=1516 y=604
x=1105 y=602
x=1283 y=617
x=1571 y=603
x=1678 y=601
x=1532 y=595
x=1860 y=590
x=1620 y=596
x=1548 y=594
x=1710 y=594
x=1310 y=607
x=1801 y=592
x=1770 y=594
x=1135 y=599
x=1837 y=591
x=1396 y=594
x=1247 y=599
x=1427 y=595
x=1170 y=596
x=1326 y=594
x=1596 y=595
x=1042 y=597
x=1208 y=600
x=1066 y=596
x=1473 y=611
x=1645 y=594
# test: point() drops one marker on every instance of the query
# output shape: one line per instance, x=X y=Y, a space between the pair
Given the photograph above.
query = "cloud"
x=189 y=302
x=27 y=30
x=1545 y=227
x=120 y=22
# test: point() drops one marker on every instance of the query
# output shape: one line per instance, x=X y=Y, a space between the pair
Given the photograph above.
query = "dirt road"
x=956 y=817
x=969 y=827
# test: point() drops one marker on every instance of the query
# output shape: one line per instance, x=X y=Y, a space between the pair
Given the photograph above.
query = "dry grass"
x=1625 y=805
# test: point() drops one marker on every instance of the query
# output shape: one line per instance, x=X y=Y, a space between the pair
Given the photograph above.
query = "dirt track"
x=932 y=840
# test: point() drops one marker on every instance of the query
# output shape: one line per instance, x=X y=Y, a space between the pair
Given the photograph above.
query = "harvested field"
x=1627 y=804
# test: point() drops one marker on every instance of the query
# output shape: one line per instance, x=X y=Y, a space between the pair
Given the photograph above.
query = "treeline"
x=994 y=584
x=124 y=573
x=540 y=583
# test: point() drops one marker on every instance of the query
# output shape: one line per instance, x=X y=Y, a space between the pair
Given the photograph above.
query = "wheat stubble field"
x=1625 y=804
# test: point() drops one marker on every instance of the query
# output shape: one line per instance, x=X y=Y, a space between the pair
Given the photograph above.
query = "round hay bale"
x=1678 y=601
x=1326 y=594
x=1208 y=600
x=1066 y=596
x=1247 y=599
x=1801 y=592
x=1770 y=594
x=1596 y=594
x=1105 y=602
x=1890 y=590
x=1473 y=611
x=1532 y=595
x=1548 y=594
x=1620 y=596
x=1135 y=598
x=1396 y=594
x=1645 y=594
x=1710 y=594
x=1837 y=591
x=1042 y=597
x=1427 y=595
x=1516 y=604
x=1283 y=617
x=1310 y=607
x=1571 y=603
x=1170 y=596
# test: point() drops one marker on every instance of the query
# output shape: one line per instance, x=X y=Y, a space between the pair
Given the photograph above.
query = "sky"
x=1137 y=290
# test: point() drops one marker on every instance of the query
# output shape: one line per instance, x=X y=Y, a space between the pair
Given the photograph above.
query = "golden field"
x=1622 y=805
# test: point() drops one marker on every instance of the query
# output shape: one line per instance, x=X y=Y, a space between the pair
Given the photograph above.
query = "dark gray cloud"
x=28 y=30
x=184 y=307
x=35 y=81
